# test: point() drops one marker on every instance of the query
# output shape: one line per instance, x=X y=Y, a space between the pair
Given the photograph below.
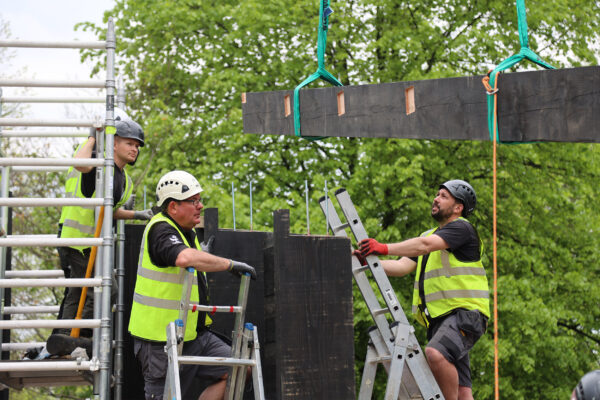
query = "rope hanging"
x=491 y=84
x=321 y=73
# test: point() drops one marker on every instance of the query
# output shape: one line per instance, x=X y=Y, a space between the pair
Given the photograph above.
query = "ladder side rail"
x=257 y=378
x=361 y=279
x=75 y=44
x=108 y=248
x=238 y=333
x=184 y=306
x=367 y=381
x=240 y=379
x=119 y=312
x=172 y=389
x=381 y=278
x=397 y=363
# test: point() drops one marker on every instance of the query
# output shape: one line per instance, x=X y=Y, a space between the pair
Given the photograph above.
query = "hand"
x=372 y=246
x=208 y=244
x=145 y=214
x=361 y=259
x=92 y=133
x=130 y=203
x=239 y=268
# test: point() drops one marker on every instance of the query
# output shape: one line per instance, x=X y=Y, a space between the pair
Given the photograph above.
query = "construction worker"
x=450 y=294
x=169 y=246
x=79 y=222
x=588 y=387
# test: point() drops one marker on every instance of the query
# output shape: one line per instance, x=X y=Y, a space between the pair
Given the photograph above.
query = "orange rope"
x=88 y=272
x=494 y=92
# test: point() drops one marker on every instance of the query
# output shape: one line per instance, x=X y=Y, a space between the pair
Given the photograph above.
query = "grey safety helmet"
x=464 y=193
x=128 y=128
x=588 y=387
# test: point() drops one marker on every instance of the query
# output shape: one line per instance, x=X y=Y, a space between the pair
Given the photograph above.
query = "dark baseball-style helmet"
x=463 y=192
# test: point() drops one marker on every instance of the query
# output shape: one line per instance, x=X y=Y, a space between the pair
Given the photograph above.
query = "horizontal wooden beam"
x=549 y=105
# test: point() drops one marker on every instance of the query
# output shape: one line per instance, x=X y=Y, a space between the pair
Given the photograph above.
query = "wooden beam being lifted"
x=549 y=105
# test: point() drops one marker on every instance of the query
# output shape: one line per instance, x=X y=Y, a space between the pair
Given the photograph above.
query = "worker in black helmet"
x=79 y=222
x=588 y=387
x=451 y=295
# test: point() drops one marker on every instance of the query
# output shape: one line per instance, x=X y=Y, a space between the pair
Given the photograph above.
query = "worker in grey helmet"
x=451 y=294
x=588 y=387
x=79 y=222
x=170 y=246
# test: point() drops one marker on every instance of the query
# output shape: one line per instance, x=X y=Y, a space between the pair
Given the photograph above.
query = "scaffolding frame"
x=101 y=362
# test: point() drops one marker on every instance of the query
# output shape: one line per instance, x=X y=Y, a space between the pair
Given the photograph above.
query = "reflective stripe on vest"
x=79 y=221
x=450 y=284
x=158 y=293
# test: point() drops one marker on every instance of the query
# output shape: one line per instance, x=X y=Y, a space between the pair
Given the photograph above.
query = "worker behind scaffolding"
x=79 y=222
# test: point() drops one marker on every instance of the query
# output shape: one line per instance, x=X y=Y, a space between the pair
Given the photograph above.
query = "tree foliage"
x=187 y=62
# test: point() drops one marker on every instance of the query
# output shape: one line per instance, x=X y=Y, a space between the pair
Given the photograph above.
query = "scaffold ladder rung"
x=75 y=44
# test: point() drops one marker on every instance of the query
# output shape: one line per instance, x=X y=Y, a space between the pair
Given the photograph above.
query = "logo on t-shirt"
x=175 y=240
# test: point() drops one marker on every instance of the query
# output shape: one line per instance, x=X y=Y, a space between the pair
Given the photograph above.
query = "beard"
x=440 y=214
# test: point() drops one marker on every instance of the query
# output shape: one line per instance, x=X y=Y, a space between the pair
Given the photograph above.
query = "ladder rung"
x=94 y=84
x=45 y=241
x=215 y=309
x=49 y=162
x=50 y=323
x=26 y=365
x=31 y=133
x=32 y=99
x=37 y=169
x=52 y=282
x=381 y=311
x=53 y=45
x=20 y=346
x=339 y=228
x=40 y=273
x=47 y=122
x=31 y=309
x=360 y=269
x=215 y=361
x=379 y=359
x=52 y=202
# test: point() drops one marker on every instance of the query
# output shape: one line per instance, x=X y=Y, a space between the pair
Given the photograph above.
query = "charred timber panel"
x=548 y=105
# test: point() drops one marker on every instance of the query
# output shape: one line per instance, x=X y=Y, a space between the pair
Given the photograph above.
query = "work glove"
x=93 y=133
x=208 y=244
x=372 y=246
x=361 y=259
x=145 y=214
x=238 y=268
x=130 y=203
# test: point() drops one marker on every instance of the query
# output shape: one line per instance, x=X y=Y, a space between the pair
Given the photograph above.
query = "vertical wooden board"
x=314 y=325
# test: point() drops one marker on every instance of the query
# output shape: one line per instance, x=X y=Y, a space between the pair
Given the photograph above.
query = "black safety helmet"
x=128 y=128
x=588 y=387
x=464 y=193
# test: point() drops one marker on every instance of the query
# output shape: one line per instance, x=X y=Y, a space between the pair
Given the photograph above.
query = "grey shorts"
x=454 y=336
x=193 y=378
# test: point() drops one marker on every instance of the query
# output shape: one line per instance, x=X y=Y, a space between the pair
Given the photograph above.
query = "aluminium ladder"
x=49 y=372
x=245 y=348
x=392 y=343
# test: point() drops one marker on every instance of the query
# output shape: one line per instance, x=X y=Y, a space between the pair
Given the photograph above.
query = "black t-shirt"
x=164 y=245
x=462 y=238
x=88 y=183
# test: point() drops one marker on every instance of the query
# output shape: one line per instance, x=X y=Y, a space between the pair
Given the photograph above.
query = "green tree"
x=187 y=63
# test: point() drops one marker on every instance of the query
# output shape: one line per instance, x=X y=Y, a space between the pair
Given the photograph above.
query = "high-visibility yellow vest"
x=449 y=284
x=78 y=221
x=158 y=293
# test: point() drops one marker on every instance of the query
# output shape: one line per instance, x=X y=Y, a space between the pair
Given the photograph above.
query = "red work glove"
x=361 y=259
x=372 y=246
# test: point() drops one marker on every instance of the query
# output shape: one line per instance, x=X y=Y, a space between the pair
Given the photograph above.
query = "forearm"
x=202 y=261
x=401 y=267
x=121 y=213
x=85 y=151
x=409 y=248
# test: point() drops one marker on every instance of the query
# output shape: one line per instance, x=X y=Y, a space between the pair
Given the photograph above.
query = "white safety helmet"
x=178 y=185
